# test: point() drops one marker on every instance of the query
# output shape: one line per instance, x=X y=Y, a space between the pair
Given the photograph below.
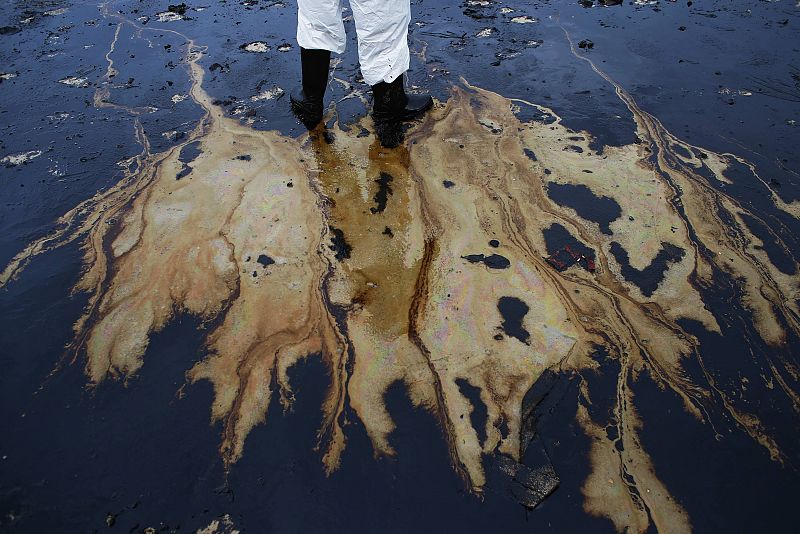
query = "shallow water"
x=580 y=270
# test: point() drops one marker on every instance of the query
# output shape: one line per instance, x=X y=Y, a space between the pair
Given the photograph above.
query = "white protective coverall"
x=381 y=27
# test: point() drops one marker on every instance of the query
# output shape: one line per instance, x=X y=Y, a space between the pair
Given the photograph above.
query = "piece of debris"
x=566 y=257
x=528 y=486
x=586 y=44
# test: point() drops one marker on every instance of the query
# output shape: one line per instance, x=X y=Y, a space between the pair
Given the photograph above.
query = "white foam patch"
x=12 y=160
x=168 y=16
x=75 y=81
x=258 y=47
x=270 y=94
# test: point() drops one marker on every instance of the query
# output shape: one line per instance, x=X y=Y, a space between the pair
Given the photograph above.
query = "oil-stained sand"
x=368 y=272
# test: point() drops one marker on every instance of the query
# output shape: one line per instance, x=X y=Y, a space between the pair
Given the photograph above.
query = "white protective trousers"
x=381 y=27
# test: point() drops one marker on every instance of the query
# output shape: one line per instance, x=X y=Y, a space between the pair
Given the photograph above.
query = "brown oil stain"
x=368 y=272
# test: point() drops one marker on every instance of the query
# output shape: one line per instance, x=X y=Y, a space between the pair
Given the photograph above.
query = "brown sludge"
x=396 y=301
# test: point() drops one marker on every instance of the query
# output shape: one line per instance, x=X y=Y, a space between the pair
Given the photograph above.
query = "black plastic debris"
x=533 y=478
x=528 y=486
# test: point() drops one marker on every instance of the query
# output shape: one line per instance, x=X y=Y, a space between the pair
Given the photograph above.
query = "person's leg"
x=320 y=31
x=320 y=25
x=382 y=28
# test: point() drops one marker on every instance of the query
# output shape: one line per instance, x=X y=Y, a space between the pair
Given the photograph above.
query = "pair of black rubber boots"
x=391 y=105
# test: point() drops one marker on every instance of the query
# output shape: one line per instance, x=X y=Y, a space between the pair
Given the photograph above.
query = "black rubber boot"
x=391 y=106
x=307 y=100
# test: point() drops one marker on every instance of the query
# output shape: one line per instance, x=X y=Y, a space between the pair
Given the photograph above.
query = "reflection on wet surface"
x=496 y=250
